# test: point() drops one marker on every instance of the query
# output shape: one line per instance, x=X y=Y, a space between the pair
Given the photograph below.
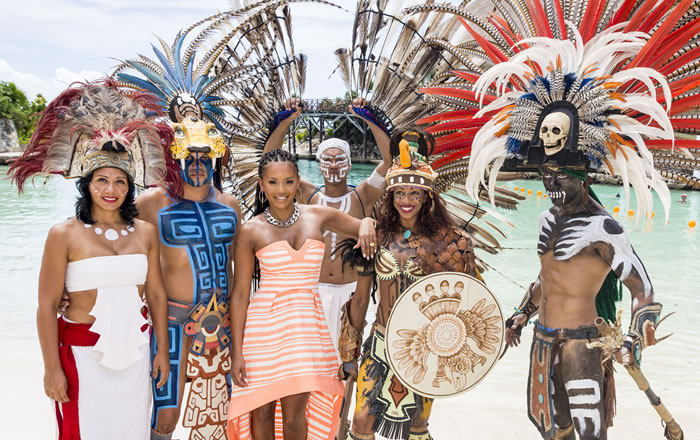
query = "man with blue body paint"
x=197 y=232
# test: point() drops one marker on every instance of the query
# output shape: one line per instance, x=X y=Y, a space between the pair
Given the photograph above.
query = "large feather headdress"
x=390 y=57
x=95 y=125
x=627 y=68
x=234 y=69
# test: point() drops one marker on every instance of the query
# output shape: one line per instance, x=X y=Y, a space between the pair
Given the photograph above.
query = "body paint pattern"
x=570 y=236
x=191 y=161
x=206 y=230
x=341 y=161
x=345 y=205
x=584 y=402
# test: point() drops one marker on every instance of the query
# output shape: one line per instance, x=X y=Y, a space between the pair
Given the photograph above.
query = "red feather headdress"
x=91 y=125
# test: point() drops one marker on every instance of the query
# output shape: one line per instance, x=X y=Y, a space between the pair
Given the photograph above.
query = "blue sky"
x=46 y=45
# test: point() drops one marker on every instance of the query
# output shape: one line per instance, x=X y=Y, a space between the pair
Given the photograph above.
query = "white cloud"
x=32 y=84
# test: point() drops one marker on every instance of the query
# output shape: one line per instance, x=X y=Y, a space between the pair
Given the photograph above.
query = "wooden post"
x=321 y=131
x=309 y=132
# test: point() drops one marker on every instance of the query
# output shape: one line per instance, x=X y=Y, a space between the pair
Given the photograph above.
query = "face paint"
x=334 y=167
x=560 y=186
x=202 y=166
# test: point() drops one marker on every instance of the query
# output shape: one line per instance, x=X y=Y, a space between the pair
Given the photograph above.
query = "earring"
x=262 y=197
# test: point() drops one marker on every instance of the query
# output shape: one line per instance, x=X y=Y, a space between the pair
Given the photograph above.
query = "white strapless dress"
x=114 y=375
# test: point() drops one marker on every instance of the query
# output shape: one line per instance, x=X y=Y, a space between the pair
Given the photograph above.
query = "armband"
x=376 y=180
x=643 y=326
x=526 y=305
x=350 y=337
x=376 y=116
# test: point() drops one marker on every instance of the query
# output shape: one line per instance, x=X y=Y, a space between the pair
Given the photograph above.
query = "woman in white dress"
x=96 y=357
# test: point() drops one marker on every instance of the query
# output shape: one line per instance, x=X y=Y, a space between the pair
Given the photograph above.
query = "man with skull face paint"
x=565 y=120
x=337 y=284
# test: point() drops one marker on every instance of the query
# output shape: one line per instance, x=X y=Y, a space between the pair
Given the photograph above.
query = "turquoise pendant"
x=407 y=234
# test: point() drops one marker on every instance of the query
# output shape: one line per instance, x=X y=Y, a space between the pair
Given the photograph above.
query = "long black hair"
x=83 y=206
x=278 y=155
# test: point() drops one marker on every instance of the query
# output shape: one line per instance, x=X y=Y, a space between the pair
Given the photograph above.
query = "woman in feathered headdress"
x=416 y=237
x=97 y=357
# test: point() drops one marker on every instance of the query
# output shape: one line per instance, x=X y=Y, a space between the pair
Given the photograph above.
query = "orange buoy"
x=616 y=209
x=652 y=214
x=630 y=212
x=539 y=193
x=544 y=196
x=522 y=190
x=529 y=192
x=691 y=224
x=516 y=188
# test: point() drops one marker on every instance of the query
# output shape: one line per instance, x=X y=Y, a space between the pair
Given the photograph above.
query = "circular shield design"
x=444 y=334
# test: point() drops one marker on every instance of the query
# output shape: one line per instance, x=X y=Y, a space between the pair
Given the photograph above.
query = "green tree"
x=15 y=105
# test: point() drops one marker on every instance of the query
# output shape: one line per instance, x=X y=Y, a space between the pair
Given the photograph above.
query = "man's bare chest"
x=569 y=237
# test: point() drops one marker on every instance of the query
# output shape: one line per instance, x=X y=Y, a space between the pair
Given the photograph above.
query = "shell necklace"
x=110 y=234
x=282 y=224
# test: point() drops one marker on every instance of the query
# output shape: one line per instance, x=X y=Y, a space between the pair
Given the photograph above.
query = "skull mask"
x=554 y=132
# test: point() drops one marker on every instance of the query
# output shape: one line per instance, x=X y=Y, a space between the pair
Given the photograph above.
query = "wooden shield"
x=444 y=334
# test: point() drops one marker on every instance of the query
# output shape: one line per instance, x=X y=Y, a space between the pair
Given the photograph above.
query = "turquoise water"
x=669 y=252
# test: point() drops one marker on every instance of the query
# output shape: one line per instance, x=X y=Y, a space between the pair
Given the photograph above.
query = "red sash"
x=79 y=335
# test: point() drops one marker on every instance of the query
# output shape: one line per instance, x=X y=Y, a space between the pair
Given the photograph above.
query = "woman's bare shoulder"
x=65 y=228
x=253 y=225
x=62 y=234
x=146 y=230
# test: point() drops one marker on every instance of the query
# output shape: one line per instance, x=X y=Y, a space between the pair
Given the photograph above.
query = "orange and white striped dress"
x=286 y=343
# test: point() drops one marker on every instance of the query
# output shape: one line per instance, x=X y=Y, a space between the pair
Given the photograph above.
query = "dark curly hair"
x=432 y=217
x=278 y=155
x=83 y=206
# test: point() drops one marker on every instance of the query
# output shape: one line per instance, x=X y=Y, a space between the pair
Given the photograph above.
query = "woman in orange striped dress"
x=282 y=349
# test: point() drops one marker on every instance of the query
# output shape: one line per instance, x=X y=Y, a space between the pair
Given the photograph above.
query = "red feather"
x=653 y=19
x=594 y=10
x=656 y=39
x=447 y=116
x=458 y=124
x=539 y=17
x=506 y=34
x=685 y=123
x=560 y=19
x=676 y=41
x=685 y=104
x=173 y=178
x=492 y=51
x=455 y=144
x=665 y=144
x=474 y=78
x=451 y=158
x=636 y=20
x=623 y=12
x=680 y=61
